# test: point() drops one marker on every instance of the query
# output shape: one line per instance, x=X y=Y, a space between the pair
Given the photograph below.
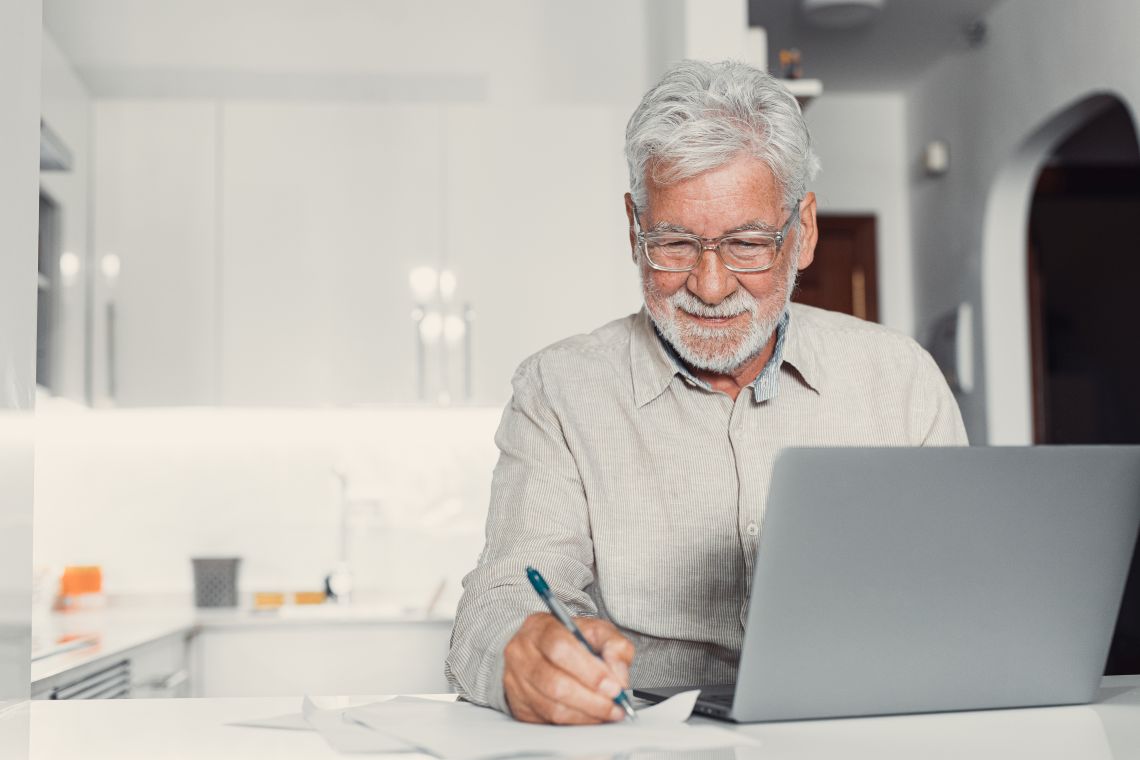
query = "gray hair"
x=701 y=116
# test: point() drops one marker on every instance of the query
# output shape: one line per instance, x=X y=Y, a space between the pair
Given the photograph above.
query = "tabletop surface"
x=193 y=728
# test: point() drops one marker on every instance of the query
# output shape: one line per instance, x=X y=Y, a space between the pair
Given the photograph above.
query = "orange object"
x=268 y=600
x=81 y=579
x=309 y=597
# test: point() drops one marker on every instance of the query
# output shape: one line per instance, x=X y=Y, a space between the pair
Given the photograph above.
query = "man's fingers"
x=566 y=653
x=550 y=677
x=618 y=654
x=555 y=697
x=619 y=668
x=617 y=651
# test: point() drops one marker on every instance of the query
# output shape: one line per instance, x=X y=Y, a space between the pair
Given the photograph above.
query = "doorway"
x=1083 y=274
x=843 y=276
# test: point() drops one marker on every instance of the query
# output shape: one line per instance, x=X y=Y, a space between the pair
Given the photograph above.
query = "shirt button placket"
x=739 y=439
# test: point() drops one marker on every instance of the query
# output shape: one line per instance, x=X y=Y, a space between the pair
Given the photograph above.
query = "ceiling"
x=455 y=50
x=445 y=50
x=889 y=53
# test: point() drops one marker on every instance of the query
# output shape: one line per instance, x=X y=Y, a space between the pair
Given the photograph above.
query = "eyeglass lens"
x=741 y=252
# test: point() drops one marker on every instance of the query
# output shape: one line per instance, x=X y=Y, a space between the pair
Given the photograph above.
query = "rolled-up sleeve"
x=537 y=516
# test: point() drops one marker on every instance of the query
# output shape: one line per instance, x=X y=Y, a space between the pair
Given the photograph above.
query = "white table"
x=195 y=728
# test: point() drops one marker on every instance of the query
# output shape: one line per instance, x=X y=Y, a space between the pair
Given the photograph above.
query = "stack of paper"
x=462 y=731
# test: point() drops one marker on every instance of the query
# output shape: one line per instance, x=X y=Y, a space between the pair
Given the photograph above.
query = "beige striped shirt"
x=639 y=494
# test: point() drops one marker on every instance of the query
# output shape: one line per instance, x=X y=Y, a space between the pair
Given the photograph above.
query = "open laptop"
x=920 y=580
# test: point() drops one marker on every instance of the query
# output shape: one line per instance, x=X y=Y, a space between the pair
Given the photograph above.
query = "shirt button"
x=753 y=529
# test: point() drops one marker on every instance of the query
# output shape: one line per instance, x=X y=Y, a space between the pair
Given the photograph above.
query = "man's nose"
x=710 y=280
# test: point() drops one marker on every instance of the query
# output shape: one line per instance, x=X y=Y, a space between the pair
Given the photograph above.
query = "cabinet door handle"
x=112 y=376
x=468 y=318
x=175 y=679
x=165 y=683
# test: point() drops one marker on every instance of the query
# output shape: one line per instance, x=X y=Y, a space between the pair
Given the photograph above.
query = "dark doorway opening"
x=1084 y=274
x=843 y=276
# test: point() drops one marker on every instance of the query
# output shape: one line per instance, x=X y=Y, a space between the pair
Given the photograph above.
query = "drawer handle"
x=164 y=683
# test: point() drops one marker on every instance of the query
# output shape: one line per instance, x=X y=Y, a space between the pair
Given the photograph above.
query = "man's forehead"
x=741 y=194
x=740 y=173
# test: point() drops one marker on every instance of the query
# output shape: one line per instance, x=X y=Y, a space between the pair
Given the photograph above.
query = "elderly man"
x=635 y=461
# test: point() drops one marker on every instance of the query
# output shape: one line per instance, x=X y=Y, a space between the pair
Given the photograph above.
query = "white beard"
x=721 y=350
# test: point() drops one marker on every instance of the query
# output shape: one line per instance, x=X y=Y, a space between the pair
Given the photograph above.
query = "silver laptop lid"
x=916 y=580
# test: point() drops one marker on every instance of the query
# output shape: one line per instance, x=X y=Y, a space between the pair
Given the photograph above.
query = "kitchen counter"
x=67 y=640
x=191 y=728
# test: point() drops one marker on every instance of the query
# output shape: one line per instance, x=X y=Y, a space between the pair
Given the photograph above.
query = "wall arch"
x=1005 y=293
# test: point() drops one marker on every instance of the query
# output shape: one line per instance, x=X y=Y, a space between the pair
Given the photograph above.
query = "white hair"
x=701 y=116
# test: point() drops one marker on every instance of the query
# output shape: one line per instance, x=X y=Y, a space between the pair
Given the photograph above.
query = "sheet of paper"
x=461 y=731
x=346 y=734
x=292 y=722
x=675 y=709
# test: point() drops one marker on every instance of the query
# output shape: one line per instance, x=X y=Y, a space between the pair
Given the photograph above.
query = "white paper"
x=291 y=722
x=345 y=734
x=462 y=731
x=675 y=709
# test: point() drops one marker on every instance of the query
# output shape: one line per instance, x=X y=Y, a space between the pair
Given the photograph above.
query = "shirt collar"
x=655 y=363
x=652 y=367
x=800 y=351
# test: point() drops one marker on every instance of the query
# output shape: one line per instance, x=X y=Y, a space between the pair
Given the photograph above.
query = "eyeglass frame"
x=714 y=244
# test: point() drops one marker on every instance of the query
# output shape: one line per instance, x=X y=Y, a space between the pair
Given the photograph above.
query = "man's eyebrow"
x=670 y=227
x=755 y=225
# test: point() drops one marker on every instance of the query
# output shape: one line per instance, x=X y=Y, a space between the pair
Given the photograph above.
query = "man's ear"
x=632 y=233
x=808 y=232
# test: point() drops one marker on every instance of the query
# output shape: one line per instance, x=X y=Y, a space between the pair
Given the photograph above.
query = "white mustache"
x=736 y=304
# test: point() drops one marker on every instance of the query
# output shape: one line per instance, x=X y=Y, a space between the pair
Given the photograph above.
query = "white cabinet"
x=158 y=668
x=325 y=210
x=266 y=246
x=287 y=660
x=536 y=229
x=155 y=208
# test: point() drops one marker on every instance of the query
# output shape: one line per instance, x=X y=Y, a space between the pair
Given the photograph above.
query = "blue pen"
x=556 y=609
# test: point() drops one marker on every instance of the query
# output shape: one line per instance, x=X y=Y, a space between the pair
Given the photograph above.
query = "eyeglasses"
x=747 y=251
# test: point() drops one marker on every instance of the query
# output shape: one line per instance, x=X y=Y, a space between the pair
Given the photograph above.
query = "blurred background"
x=290 y=253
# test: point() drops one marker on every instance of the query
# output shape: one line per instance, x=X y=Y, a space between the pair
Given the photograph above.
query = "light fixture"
x=442 y=331
x=936 y=158
x=68 y=267
x=454 y=328
x=431 y=327
x=424 y=282
x=110 y=266
x=840 y=14
x=446 y=285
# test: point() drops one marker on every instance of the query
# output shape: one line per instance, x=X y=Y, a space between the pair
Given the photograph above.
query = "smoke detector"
x=840 y=14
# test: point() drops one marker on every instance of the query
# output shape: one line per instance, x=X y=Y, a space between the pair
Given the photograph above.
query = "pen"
x=556 y=609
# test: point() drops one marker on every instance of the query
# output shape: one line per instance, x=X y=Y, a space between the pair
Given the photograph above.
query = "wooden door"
x=842 y=277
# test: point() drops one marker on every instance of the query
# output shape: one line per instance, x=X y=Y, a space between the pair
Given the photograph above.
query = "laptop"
x=913 y=580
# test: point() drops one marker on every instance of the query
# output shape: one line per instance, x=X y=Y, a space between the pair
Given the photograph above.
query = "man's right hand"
x=549 y=677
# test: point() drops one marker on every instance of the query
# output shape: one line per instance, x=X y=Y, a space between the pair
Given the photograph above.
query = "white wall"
x=67 y=111
x=139 y=492
x=859 y=138
x=1040 y=56
x=19 y=159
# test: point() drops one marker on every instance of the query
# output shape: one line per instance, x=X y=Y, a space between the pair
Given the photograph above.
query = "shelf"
x=805 y=90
